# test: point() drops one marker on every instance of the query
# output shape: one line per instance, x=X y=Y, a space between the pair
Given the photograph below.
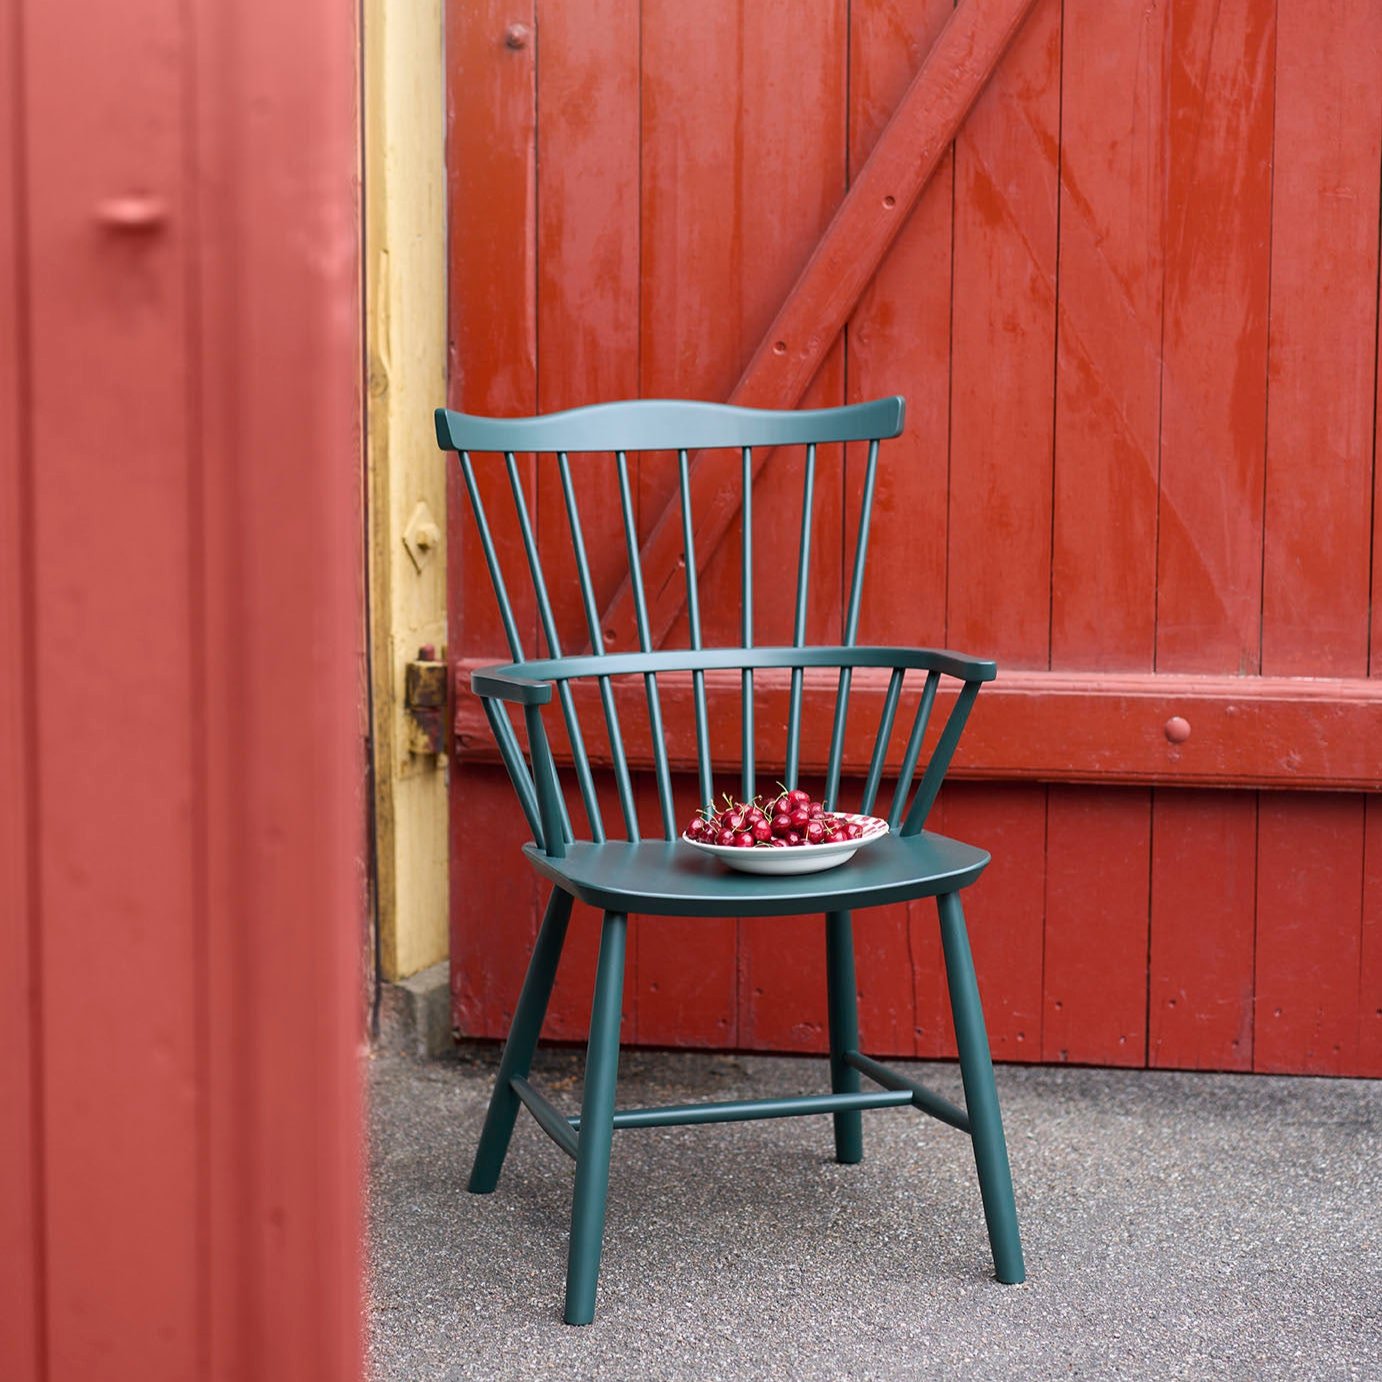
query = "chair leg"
x=597 y=1125
x=981 y=1095
x=843 y=1007
x=522 y=1042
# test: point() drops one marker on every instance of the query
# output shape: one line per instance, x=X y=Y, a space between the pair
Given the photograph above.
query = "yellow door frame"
x=405 y=298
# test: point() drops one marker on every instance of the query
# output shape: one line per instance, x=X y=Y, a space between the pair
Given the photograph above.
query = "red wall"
x=1134 y=314
x=179 y=726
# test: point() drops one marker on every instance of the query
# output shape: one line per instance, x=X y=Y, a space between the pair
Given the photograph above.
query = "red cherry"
x=853 y=832
x=778 y=844
x=743 y=840
x=735 y=820
x=815 y=833
x=725 y=837
x=800 y=815
x=782 y=824
x=794 y=838
x=817 y=810
x=799 y=798
x=762 y=830
x=696 y=830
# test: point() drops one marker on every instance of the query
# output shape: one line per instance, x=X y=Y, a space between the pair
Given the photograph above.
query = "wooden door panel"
x=1108 y=368
x=1323 y=341
x=899 y=343
x=1003 y=325
x=1203 y=930
x=1112 y=478
x=1309 y=934
x=1219 y=110
x=1095 y=961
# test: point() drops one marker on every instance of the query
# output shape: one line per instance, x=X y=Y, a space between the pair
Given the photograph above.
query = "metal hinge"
x=425 y=699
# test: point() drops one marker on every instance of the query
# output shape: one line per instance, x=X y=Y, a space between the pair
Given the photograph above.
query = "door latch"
x=425 y=699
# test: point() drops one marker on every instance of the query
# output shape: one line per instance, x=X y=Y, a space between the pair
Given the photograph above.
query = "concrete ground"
x=1175 y=1225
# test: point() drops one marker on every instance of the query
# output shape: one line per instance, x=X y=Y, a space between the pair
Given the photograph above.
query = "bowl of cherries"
x=788 y=833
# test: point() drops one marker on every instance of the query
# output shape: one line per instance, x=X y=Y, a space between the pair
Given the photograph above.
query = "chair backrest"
x=682 y=429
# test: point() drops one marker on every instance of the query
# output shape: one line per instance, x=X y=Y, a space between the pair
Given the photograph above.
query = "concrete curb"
x=415 y=1014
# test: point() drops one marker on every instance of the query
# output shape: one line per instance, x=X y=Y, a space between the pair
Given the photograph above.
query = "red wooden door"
x=1134 y=312
x=180 y=818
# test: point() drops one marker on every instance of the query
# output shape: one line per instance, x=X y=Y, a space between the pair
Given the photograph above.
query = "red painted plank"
x=495 y=901
x=491 y=290
x=1309 y=934
x=1095 y=967
x=1058 y=726
x=1370 y=969
x=1375 y=635
x=21 y=1212
x=282 y=885
x=1203 y=920
x=1108 y=360
x=898 y=340
x=998 y=593
x=1214 y=371
x=899 y=343
x=587 y=331
x=792 y=176
x=587 y=273
x=116 y=827
x=492 y=316
x=1323 y=341
x=790 y=353
x=1005 y=908
x=691 y=273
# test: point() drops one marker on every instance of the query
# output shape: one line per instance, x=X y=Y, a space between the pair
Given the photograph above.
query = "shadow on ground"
x=1175 y=1225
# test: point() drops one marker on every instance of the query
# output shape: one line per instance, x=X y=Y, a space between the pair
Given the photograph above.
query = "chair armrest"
x=960 y=664
x=507 y=683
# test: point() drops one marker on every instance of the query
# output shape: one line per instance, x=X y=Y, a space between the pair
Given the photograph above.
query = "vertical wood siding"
x=180 y=846
x=1134 y=314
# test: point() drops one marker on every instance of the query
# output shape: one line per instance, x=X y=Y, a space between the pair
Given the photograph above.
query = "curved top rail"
x=667 y=424
x=530 y=683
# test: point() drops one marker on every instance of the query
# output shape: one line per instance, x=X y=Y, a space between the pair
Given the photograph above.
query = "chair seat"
x=661 y=878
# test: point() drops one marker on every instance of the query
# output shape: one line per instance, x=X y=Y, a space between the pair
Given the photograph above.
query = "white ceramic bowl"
x=796 y=858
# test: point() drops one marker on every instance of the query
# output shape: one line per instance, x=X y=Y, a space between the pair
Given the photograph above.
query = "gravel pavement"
x=1175 y=1225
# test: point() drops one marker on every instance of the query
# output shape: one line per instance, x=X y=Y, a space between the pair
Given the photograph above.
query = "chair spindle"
x=940 y=759
x=913 y=749
x=693 y=613
x=501 y=593
x=622 y=780
x=808 y=494
x=579 y=758
x=549 y=796
x=851 y=630
x=880 y=745
x=519 y=775
x=640 y=606
x=747 y=783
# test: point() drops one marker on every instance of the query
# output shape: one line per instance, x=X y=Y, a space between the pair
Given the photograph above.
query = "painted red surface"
x=179 y=842
x=1139 y=471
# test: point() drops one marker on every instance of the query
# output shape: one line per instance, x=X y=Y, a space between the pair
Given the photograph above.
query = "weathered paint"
x=405 y=235
x=1111 y=480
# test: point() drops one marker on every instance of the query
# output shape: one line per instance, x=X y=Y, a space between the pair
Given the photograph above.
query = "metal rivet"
x=517 y=35
x=779 y=347
x=1177 y=729
x=890 y=202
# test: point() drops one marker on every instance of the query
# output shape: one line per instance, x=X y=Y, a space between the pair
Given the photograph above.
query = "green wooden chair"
x=665 y=877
